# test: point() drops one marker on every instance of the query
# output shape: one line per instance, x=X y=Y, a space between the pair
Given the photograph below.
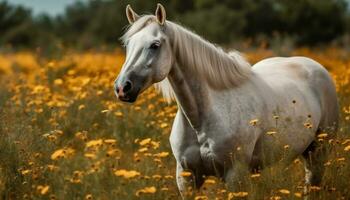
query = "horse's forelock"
x=137 y=26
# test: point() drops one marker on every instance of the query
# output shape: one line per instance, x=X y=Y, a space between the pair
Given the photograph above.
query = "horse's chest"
x=211 y=156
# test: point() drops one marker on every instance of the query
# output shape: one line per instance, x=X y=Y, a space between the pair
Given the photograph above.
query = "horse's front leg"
x=188 y=180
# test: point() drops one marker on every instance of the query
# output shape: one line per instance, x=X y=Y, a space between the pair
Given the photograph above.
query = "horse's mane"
x=221 y=70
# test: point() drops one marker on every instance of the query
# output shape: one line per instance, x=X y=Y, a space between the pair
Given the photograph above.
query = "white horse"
x=227 y=109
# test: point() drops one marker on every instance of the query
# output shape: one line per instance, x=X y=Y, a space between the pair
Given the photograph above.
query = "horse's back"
x=306 y=75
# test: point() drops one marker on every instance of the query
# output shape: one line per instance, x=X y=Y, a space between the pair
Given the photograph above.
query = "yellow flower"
x=156 y=176
x=284 y=191
x=298 y=194
x=163 y=125
x=209 y=181
x=168 y=177
x=253 y=122
x=146 y=190
x=24 y=172
x=271 y=132
x=81 y=107
x=110 y=141
x=232 y=195
x=145 y=141
x=161 y=154
x=322 y=135
x=58 y=81
x=155 y=145
x=90 y=155
x=255 y=175
x=201 y=198
x=43 y=189
x=341 y=159
x=144 y=149
x=88 y=197
x=62 y=153
x=347 y=148
x=185 y=174
x=94 y=143
x=118 y=114
x=127 y=174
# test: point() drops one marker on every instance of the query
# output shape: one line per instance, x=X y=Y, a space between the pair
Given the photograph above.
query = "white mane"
x=220 y=69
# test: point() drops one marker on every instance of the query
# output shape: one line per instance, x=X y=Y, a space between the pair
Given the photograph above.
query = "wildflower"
x=52 y=167
x=232 y=195
x=201 y=197
x=185 y=174
x=341 y=159
x=271 y=132
x=209 y=181
x=88 y=197
x=155 y=145
x=168 y=177
x=255 y=175
x=127 y=174
x=146 y=190
x=284 y=191
x=163 y=125
x=25 y=172
x=253 y=122
x=144 y=149
x=58 y=81
x=94 y=143
x=118 y=114
x=347 y=148
x=81 y=135
x=275 y=198
x=322 y=135
x=157 y=176
x=114 y=152
x=90 y=155
x=62 y=153
x=81 y=107
x=162 y=154
x=110 y=141
x=43 y=189
x=298 y=194
x=315 y=188
x=145 y=141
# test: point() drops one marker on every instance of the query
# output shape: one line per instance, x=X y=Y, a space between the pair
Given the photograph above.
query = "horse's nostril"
x=127 y=87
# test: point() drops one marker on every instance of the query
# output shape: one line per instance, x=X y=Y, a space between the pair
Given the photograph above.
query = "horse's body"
x=294 y=93
x=229 y=112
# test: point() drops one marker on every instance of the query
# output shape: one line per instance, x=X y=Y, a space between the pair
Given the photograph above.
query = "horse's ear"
x=131 y=15
x=160 y=14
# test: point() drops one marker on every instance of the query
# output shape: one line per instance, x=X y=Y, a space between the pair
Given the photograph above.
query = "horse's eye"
x=154 y=46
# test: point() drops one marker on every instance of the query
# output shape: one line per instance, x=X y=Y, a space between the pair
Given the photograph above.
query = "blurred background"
x=84 y=24
x=64 y=135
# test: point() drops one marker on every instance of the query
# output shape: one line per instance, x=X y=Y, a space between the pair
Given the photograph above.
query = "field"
x=64 y=135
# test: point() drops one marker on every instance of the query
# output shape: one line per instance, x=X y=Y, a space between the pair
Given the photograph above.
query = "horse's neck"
x=191 y=95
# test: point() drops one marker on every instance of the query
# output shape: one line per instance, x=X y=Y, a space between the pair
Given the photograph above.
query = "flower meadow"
x=64 y=135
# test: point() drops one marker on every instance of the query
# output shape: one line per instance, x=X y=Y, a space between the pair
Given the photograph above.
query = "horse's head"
x=148 y=54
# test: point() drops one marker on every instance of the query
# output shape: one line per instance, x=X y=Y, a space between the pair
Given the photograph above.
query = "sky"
x=51 y=7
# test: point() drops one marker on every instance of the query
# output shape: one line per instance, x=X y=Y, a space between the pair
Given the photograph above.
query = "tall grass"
x=63 y=135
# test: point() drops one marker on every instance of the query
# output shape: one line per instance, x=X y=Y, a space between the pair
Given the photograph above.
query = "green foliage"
x=93 y=23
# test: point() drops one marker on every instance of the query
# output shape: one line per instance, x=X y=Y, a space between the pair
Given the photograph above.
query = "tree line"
x=87 y=24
